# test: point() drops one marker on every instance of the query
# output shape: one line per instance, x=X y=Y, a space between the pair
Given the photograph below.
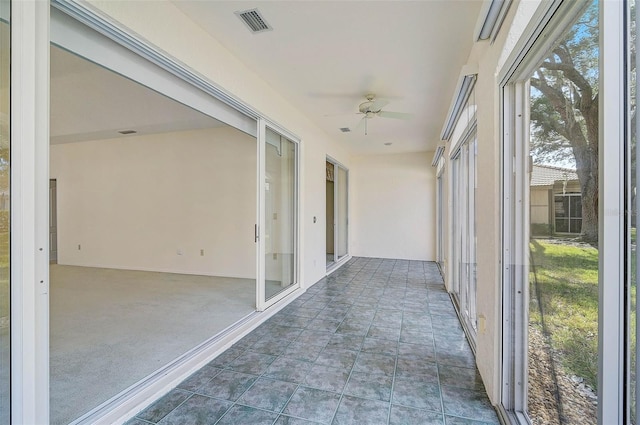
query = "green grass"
x=567 y=276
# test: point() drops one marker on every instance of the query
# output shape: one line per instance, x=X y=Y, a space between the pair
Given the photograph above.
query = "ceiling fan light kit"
x=372 y=107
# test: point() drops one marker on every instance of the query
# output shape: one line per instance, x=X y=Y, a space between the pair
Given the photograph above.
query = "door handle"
x=257 y=234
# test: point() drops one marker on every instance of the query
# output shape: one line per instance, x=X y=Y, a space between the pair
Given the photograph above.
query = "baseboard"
x=132 y=400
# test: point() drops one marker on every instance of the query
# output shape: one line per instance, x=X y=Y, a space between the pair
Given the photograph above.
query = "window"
x=440 y=208
x=464 y=180
x=568 y=213
x=565 y=305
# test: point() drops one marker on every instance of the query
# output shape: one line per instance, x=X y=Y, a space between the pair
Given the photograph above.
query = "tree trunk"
x=586 y=156
x=590 y=212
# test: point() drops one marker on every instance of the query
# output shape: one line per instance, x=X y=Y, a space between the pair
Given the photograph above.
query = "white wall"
x=133 y=202
x=393 y=206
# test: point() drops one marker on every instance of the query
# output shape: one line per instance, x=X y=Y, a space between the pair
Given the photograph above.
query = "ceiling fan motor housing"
x=366 y=107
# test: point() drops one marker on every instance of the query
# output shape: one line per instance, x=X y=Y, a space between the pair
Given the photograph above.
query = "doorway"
x=337 y=213
x=127 y=299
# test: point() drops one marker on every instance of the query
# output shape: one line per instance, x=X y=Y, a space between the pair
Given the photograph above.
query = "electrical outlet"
x=179 y=251
x=202 y=252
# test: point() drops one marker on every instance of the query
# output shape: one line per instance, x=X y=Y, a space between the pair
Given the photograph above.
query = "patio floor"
x=376 y=342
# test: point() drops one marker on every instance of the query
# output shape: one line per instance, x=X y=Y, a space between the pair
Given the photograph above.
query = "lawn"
x=564 y=293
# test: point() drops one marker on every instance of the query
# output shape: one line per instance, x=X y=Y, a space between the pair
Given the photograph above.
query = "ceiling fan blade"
x=339 y=115
x=359 y=125
x=396 y=115
x=378 y=104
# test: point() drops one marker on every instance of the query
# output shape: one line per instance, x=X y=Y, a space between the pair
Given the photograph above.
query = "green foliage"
x=561 y=84
x=567 y=275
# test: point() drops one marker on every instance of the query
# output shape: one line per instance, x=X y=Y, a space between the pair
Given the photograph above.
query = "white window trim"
x=611 y=214
x=29 y=211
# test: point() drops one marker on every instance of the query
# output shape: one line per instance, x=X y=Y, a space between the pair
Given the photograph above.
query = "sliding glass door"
x=464 y=249
x=337 y=201
x=277 y=233
x=341 y=213
x=5 y=364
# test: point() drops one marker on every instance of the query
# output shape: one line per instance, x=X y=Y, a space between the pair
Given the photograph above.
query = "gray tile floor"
x=376 y=342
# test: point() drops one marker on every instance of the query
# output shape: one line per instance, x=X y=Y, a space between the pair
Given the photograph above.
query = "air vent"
x=127 y=132
x=254 y=20
x=345 y=129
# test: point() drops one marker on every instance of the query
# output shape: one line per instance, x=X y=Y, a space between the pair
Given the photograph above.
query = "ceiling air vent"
x=345 y=129
x=254 y=20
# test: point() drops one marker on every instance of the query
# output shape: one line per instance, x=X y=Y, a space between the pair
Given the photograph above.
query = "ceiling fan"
x=373 y=108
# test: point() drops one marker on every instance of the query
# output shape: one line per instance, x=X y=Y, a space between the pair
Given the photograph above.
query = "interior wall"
x=167 y=27
x=393 y=206
x=181 y=202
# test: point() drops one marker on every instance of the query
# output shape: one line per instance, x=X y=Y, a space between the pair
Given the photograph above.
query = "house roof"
x=547 y=175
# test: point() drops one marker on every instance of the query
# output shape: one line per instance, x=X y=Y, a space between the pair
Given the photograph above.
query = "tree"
x=564 y=111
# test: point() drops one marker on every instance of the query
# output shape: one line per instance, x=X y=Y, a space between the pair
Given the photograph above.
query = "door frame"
x=29 y=212
x=262 y=303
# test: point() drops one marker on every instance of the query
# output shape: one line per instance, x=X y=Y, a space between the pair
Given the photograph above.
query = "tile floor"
x=376 y=342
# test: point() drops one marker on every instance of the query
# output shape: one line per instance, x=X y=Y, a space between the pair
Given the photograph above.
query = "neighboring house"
x=556 y=201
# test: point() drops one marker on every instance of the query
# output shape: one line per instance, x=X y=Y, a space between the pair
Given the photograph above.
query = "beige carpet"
x=111 y=328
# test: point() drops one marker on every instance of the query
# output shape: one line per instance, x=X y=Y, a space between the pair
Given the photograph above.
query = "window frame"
x=549 y=22
x=464 y=248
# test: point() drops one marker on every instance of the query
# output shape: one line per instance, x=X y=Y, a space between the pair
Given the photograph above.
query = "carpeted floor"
x=111 y=328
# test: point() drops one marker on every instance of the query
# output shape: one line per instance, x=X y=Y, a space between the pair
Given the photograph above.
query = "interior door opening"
x=153 y=209
x=337 y=210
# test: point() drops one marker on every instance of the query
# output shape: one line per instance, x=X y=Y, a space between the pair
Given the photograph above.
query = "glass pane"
x=575 y=206
x=471 y=234
x=439 y=220
x=5 y=365
x=632 y=193
x=563 y=275
x=280 y=213
x=562 y=225
x=455 y=225
x=330 y=213
x=342 y=212
x=561 y=207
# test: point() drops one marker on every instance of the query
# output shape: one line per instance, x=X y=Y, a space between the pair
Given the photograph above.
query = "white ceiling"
x=325 y=56
x=89 y=102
